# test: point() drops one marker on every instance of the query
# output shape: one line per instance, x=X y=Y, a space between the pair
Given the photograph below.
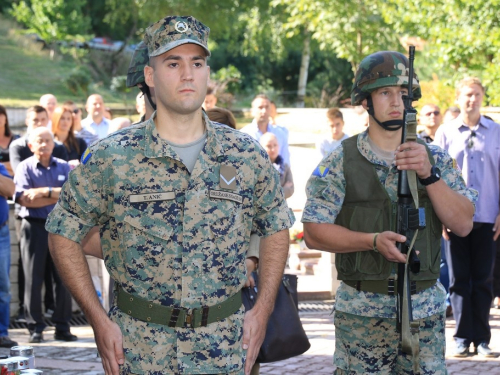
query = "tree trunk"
x=304 y=67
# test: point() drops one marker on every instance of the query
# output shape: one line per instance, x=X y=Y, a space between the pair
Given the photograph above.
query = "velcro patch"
x=86 y=156
x=320 y=171
x=219 y=194
x=151 y=197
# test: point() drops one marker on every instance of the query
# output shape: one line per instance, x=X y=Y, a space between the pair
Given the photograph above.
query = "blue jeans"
x=4 y=279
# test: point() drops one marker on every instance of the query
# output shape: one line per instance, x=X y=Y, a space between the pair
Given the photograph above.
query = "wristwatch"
x=435 y=176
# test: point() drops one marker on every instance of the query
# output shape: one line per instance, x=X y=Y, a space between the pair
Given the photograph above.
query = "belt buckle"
x=189 y=319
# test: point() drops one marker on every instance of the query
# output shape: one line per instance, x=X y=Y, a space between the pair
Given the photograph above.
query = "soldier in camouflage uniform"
x=351 y=197
x=135 y=77
x=176 y=198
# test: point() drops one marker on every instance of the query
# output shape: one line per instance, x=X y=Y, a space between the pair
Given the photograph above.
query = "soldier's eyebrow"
x=177 y=57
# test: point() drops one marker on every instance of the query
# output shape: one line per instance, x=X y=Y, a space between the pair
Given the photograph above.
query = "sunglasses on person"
x=435 y=113
x=470 y=140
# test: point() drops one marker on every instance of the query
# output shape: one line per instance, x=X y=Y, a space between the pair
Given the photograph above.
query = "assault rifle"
x=410 y=219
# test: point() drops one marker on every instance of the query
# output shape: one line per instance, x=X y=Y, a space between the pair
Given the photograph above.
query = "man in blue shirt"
x=472 y=141
x=38 y=183
x=261 y=111
x=6 y=190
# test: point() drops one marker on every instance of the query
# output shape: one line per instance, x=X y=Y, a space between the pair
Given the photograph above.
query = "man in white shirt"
x=261 y=111
x=95 y=123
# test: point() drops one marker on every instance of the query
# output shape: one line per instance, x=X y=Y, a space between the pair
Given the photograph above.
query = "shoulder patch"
x=86 y=156
x=320 y=171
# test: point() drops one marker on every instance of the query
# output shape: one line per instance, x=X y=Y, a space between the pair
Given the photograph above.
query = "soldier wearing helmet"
x=351 y=211
x=135 y=77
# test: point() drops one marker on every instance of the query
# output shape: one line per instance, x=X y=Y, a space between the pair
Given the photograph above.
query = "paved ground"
x=80 y=357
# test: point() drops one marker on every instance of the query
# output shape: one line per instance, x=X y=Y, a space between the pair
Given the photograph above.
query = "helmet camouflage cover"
x=382 y=69
x=140 y=58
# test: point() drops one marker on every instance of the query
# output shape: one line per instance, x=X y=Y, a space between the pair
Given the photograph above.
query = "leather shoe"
x=6 y=342
x=36 y=338
x=65 y=336
x=484 y=350
x=461 y=350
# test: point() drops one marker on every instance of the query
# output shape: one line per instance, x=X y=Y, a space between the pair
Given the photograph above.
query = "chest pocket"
x=147 y=234
x=227 y=234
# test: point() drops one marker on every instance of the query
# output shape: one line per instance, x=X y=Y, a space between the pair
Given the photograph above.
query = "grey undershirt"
x=386 y=156
x=189 y=152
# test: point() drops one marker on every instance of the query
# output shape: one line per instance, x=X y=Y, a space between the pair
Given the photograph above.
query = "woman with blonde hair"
x=63 y=129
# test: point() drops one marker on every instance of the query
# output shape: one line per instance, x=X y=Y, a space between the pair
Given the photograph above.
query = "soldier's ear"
x=364 y=104
x=148 y=76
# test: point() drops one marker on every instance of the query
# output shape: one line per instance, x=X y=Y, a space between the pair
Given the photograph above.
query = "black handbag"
x=285 y=336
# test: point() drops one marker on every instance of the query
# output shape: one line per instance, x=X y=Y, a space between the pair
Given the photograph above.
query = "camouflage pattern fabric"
x=365 y=345
x=382 y=69
x=325 y=196
x=140 y=59
x=175 y=238
x=173 y=31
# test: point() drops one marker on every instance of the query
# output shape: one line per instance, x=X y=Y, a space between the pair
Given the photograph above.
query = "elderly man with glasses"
x=430 y=118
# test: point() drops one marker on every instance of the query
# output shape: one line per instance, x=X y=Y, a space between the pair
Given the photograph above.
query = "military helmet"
x=140 y=58
x=382 y=69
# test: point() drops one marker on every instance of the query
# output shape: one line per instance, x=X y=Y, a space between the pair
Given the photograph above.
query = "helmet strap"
x=391 y=125
x=145 y=90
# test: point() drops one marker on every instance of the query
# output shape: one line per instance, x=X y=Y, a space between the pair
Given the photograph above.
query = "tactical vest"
x=368 y=208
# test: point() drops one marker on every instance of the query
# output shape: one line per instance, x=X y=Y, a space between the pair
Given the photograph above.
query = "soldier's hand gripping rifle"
x=410 y=218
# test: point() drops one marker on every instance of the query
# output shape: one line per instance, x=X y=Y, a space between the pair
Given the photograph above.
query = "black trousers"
x=35 y=254
x=496 y=272
x=471 y=260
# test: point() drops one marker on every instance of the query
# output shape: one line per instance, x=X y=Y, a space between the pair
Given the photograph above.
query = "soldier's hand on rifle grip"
x=413 y=156
x=386 y=245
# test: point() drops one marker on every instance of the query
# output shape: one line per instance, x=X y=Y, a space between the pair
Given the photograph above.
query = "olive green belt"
x=150 y=312
x=389 y=286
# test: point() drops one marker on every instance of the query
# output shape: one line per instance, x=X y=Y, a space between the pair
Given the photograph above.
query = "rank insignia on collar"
x=227 y=178
x=321 y=171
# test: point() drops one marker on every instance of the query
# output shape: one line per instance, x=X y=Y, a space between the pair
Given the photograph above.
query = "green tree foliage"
x=53 y=20
x=350 y=29
x=462 y=37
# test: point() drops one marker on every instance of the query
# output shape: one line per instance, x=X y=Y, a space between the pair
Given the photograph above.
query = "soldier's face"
x=179 y=78
x=388 y=103
x=470 y=98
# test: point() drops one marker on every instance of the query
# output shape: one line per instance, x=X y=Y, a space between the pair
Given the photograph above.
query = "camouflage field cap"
x=173 y=31
x=382 y=69
x=139 y=60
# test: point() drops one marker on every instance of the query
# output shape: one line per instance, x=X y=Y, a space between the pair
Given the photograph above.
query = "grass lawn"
x=28 y=72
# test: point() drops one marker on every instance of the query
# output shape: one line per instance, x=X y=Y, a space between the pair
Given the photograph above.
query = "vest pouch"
x=428 y=240
x=361 y=219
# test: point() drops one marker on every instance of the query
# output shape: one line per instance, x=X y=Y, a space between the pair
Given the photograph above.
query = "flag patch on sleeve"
x=320 y=171
x=86 y=156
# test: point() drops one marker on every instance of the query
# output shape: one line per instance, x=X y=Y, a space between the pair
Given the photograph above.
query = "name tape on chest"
x=151 y=197
x=219 y=194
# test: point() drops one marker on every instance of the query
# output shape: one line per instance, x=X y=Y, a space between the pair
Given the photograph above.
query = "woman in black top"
x=6 y=138
x=62 y=127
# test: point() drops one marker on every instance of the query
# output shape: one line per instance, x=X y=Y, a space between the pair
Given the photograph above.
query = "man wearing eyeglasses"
x=430 y=117
x=473 y=141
